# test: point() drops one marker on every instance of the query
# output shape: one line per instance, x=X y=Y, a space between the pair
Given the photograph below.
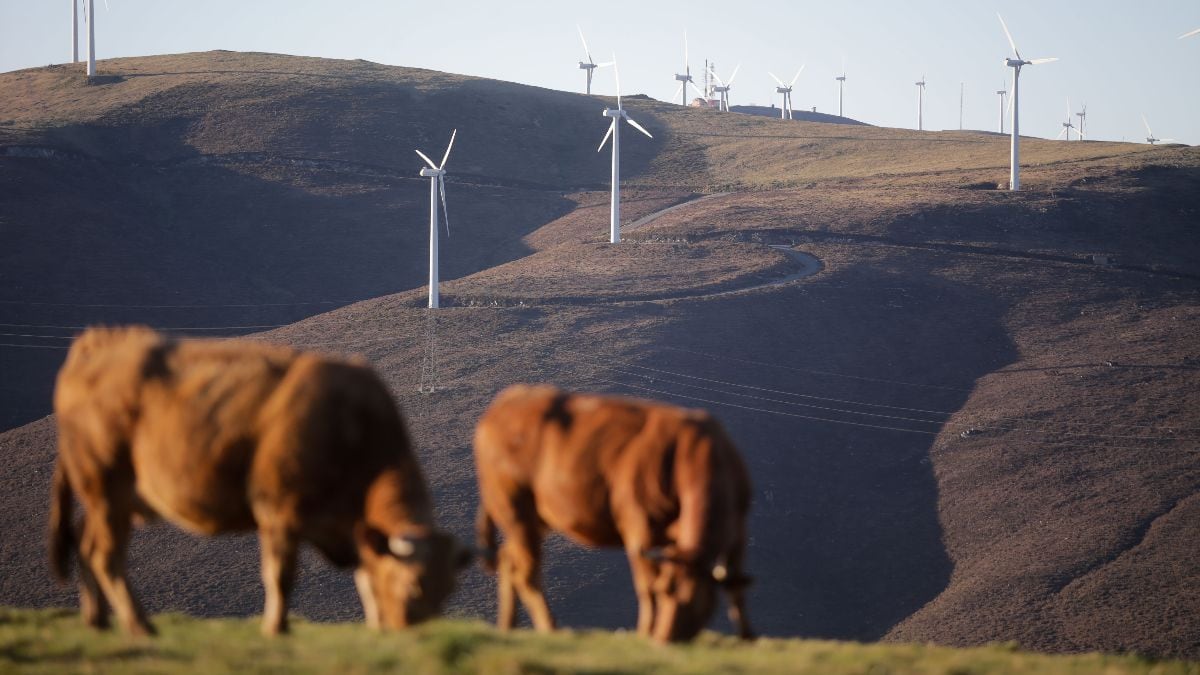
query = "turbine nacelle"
x=783 y=90
x=586 y=66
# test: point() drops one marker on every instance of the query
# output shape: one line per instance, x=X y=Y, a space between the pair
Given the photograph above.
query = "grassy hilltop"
x=960 y=428
x=50 y=642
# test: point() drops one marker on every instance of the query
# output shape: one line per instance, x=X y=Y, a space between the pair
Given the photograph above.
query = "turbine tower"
x=614 y=130
x=722 y=88
x=589 y=65
x=786 y=89
x=686 y=78
x=841 y=80
x=1068 y=126
x=921 y=104
x=1014 y=179
x=74 y=31
x=1082 y=115
x=436 y=173
x=89 y=16
x=1002 y=94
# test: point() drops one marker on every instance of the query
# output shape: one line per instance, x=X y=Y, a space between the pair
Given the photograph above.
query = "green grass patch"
x=54 y=641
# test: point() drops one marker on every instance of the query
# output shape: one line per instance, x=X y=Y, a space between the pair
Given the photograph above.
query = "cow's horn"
x=401 y=547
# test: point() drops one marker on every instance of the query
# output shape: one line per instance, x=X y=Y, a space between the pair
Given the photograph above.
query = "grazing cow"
x=234 y=436
x=663 y=482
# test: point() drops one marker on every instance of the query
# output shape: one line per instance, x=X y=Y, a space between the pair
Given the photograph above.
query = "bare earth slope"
x=960 y=429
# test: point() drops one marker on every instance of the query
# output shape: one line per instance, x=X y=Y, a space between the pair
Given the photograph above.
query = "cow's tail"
x=485 y=539
x=62 y=535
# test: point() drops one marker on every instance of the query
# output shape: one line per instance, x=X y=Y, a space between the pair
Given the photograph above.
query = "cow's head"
x=410 y=575
x=685 y=590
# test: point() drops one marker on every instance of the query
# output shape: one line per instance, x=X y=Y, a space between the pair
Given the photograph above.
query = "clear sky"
x=1122 y=58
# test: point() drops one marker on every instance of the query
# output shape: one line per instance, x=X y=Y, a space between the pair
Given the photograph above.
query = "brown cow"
x=664 y=483
x=232 y=436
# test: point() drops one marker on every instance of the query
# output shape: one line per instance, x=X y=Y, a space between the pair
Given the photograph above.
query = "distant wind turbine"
x=921 y=104
x=685 y=78
x=1082 y=115
x=436 y=173
x=589 y=65
x=1014 y=180
x=786 y=90
x=74 y=31
x=614 y=131
x=1150 y=134
x=841 y=80
x=1068 y=125
x=1002 y=93
x=722 y=88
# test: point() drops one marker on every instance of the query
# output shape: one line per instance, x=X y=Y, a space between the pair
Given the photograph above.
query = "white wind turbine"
x=436 y=173
x=722 y=88
x=74 y=31
x=614 y=130
x=921 y=104
x=1068 y=125
x=89 y=16
x=590 y=65
x=1082 y=115
x=1014 y=180
x=1002 y=93
x=841 y=80
x=786 y=89
x=686 y=78
x=1150 y=134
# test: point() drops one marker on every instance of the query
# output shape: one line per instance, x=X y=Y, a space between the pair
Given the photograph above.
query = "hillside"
x=960 y=429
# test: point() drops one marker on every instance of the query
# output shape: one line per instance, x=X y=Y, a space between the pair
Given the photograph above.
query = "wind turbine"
x=921 y=104
x=614 y=130
x=1082 y=115
x=722 y=88
x=1068 y=126
x=841 y=80
x=1014 y=180
x=1002 y=94
x=89 y=16
x=686 y=78
x=786 y=90
x=589 y=65
x=436 y=173
x=1150 y=134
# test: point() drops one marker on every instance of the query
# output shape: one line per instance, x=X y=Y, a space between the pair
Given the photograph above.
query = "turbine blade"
x=1036 y=62
x=606 y=64
x=1190 y=34
x=584 y=41
x=793 y=82
x=1147 y=125
x=106 y=5
x=427 y=160
x=1060 y=134
x=717 y=78
x=1166 y=140
x=639 y=127
x=451 y=145
x=776 y=79
x=1068 y=108
x=606 y=135
x=442 y=190
x=697 y=88
x=1007 y=34
x=685 y=51
x=677 y=90
x=735 y=72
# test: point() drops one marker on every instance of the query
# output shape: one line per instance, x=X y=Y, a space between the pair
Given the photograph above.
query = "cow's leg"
x=522 y=553
x=643 y=584
x=362 y=581
x=92 y=605
x=278 y=543
x=735 y=590
x=105 y=539
x=506 y=607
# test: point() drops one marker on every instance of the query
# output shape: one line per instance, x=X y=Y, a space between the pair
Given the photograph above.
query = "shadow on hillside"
x=203 y=246
x=846 y=540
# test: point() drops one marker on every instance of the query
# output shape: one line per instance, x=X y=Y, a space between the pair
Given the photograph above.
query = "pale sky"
x=1122 y=58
